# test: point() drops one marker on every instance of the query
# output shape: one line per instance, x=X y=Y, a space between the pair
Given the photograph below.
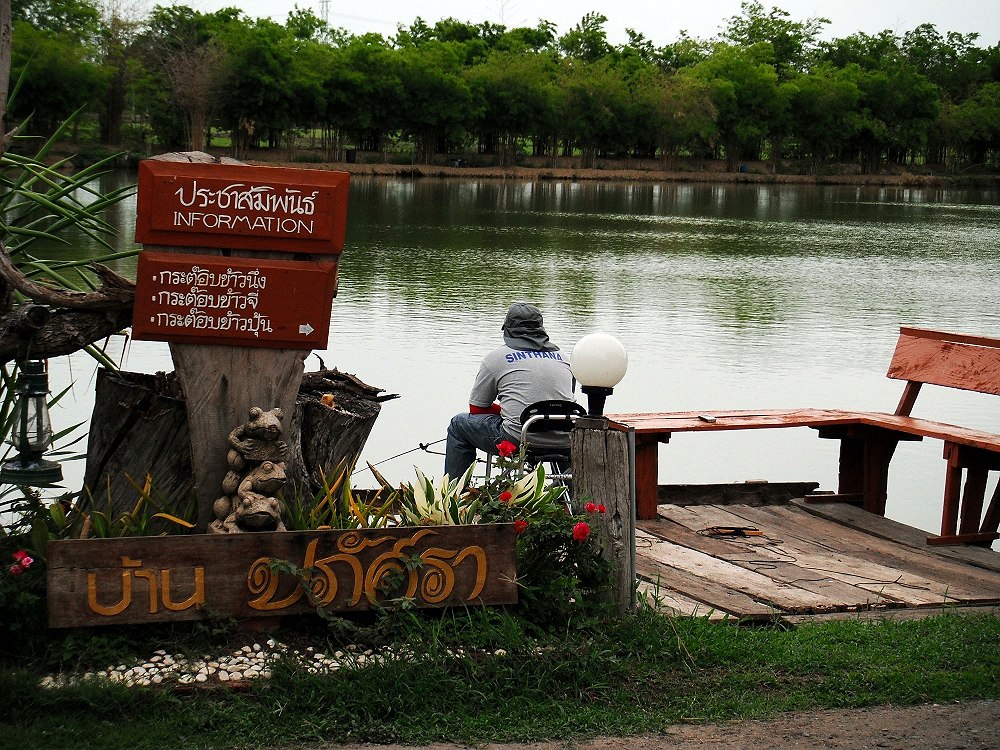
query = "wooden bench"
x=868 y=439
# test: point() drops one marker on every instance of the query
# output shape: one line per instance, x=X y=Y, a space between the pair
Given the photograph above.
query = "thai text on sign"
x=241 y=207
x=161 y=579
x=240 y=301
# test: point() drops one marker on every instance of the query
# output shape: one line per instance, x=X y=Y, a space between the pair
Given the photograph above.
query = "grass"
x=615 y=678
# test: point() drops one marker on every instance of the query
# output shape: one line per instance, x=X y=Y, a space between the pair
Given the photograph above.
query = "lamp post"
x=598 y=362
x=31 y=431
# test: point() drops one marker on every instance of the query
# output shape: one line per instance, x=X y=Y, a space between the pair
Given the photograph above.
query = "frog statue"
x=256 y=471
x=254 y=507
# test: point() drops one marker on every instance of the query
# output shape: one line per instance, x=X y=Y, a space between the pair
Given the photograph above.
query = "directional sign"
x=241 y=207
x=237 y=301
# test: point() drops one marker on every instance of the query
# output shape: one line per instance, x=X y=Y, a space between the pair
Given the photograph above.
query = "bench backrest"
x=956 y=360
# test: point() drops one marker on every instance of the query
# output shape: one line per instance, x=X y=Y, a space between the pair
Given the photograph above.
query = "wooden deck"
x=805 y=561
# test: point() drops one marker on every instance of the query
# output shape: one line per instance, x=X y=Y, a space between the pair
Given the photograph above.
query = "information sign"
x=241 y=207
x=237 y=301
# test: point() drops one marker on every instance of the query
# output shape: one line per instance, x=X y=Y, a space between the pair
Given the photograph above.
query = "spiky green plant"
x=423 y=503
x=337 y=505
x=40 y=197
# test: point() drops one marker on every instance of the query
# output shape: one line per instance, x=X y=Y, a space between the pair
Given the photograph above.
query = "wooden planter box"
x=161 y=579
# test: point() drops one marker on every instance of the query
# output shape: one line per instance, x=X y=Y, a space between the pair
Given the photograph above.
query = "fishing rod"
x=420 y=447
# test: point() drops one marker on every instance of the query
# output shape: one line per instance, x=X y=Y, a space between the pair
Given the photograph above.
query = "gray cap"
x=522 y=329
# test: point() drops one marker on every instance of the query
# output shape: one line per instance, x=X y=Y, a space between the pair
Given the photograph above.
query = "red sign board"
x=202 y=299
x=241 y=207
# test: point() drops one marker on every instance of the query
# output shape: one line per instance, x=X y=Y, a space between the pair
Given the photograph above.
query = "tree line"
x=766 y=87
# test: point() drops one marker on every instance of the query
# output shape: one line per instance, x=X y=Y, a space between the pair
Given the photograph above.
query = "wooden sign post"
x=172 y=578
x=238 y=274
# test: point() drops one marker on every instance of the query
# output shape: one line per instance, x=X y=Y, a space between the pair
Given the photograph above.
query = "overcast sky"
x=660 y=20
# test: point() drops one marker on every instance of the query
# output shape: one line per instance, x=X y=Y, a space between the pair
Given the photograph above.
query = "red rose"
x=16 y=569
x=601 y=508
x=506 y=448
x=505 y=497
x=590 y=507
x=581 y=531
x=520 y=525
x=26 y=562
x=20 y=555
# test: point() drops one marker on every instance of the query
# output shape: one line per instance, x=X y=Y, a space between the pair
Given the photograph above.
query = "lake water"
x=725 y=296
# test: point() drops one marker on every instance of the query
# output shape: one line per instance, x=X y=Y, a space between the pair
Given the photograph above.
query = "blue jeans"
x=468 y=433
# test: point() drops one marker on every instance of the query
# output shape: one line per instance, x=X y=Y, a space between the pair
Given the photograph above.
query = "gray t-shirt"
x=518 y=379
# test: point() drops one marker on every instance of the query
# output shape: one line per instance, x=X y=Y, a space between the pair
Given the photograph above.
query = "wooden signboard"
x=206 y=299
x=241 y=207
x=160 y=579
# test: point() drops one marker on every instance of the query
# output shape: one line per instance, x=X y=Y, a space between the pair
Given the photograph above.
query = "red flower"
x=590 y=507
x=506 y=448
x=505 y=497
x=20 y=555
x=520 y=525
x=16 y=569
x=581 y=531
x=601 y=508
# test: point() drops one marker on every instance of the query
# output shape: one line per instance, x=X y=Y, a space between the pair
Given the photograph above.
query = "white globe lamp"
x=599 y=362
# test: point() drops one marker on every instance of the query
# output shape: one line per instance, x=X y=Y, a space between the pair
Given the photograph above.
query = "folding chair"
x=545 y=428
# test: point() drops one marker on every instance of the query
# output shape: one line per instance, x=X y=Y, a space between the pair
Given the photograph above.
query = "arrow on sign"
x=305 y=329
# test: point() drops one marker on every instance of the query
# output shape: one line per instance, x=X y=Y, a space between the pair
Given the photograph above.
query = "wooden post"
x=220 y=385
x=603 y=460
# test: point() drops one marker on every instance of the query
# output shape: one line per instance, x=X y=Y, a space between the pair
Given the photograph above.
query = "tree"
x=744 y=89
x=824 y=110
x=594 y=106
x=688 y=115
x=57 y=78
x=438 y=104
x=791 y=41
x=896 y=109
x=364 y=90
x=517 y=95
x=174 y=38
x=587 y=41
x=119 y=30
x=973 y=127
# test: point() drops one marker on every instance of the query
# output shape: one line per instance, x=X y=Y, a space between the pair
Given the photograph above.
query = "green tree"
x=364 y=91
x=744 y=90
x=275 y=84
x=184 y=69
x=896 y=110
x=58 y=76
x=824 y=110
x=78 y=19
x=792 y=42
x=524 y=39
x=688 y=118
x=517 y=93
x=438 y=104
x=119 y=54
x=587 y=41
x=972 y=128
x=593 y=108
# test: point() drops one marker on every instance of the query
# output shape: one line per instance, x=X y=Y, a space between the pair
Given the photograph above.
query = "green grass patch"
x=617 y=678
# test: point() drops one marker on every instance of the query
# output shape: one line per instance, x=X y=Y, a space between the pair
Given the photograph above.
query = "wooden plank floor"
x=805 y=561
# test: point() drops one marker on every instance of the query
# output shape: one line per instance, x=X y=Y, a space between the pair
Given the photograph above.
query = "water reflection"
x=726 y=296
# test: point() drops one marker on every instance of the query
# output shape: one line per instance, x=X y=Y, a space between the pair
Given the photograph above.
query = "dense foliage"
x=767 y=87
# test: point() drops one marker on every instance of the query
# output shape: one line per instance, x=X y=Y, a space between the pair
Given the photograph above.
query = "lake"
x=724 y=295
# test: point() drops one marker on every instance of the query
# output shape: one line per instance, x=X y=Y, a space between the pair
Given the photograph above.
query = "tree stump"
x=140 y=427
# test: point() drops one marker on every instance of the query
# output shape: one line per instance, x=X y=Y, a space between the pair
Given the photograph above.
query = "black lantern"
x=31 y=431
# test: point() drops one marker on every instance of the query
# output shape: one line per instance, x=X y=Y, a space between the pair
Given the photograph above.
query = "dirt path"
x=963 y=726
